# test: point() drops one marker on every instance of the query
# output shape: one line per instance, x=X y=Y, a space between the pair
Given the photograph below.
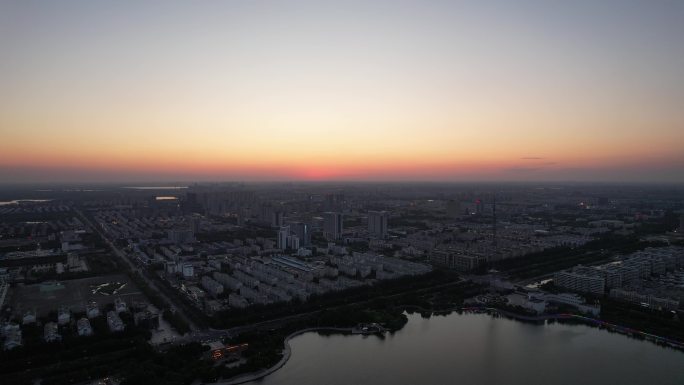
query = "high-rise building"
x=277 y=218
x=302 y=231
x=283 y=233
x=293 y=242
x=377 y=224
x=332 y=226
x=195 y=223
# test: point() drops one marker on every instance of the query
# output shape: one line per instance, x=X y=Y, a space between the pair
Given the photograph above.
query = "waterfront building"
x=581 y=279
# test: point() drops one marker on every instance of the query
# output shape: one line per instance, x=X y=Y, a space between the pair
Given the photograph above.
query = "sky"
x=100 y=91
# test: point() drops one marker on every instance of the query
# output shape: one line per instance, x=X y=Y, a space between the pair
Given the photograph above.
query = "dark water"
x=478 y=349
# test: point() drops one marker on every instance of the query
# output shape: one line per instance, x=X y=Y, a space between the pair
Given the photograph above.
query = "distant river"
x=17 y=201
x=478 y=349
x=156 y=187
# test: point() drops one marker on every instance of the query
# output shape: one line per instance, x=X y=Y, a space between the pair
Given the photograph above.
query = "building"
x=84 y=328
x=581 y=279
x=277 y=218
x=212 y=287
x=92 y=310
x=180 y=236
x=283 y=233
x=12 y=334
x=227 y=281
x=332 y=226
x=302 y=231
x=612 y=274
x=114 y=322
x=377 y=224
x=146 y=319
x=467 y=263
x=293 y=242
x=120 y=305
x=527 y=301
x=188 y=270
x=237 y=301
x=51 y=332
x=218 y=350
x=573 y=300
x=645 y=300
x=63 y=316
x=460 y=262
x=29 y=317
x=12 y=340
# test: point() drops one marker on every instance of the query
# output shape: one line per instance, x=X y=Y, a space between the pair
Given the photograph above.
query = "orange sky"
x=352 y=91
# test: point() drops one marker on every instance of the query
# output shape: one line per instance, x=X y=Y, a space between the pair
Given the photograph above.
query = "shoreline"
x=287 y=350
x=658 y=340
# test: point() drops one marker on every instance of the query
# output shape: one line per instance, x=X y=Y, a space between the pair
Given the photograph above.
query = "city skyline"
x=341 y=192
x=317 y=91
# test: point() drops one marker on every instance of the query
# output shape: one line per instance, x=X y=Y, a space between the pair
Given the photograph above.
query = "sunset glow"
x=341 y=91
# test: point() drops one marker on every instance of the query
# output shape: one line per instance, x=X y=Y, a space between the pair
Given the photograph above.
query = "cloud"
x=535 y=166
x=531 y=158
x=522 y=169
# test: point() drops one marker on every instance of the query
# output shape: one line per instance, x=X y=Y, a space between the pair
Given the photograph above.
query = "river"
x=478 y=349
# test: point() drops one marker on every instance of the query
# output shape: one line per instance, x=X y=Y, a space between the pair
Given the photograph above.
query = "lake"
x=478 y=349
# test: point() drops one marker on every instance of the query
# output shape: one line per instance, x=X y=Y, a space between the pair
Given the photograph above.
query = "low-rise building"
x=227 y=281
x=29 y=317
x=644 y=299
x=581 y=279
x=92 y=310
x=146 y=319
x=212 y=287
x=114 y=322
x=235 y=300
x=573 y=300
x=51 y=332
x=63 y=316
x=120 y=305
x=83 y=327
x=12 y=340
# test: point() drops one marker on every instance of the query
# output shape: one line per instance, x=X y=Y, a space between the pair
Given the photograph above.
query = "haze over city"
x=364 y=192
x=342 y=91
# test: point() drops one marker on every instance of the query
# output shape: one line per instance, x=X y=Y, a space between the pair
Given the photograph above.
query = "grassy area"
x=664 y=324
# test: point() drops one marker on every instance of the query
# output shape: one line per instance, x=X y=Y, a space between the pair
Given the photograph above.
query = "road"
x=136 y=269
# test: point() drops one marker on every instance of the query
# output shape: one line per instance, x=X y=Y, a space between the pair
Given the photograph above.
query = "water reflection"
x=479 y=349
